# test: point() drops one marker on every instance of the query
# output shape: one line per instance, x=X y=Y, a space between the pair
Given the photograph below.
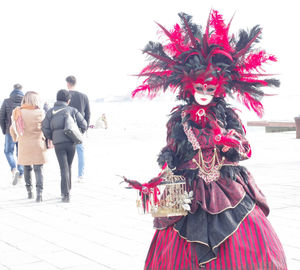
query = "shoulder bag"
x=71 y=129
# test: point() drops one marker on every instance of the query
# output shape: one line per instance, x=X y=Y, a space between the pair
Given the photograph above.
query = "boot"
x=29 y=191
x=39 y=197
x=65 y=198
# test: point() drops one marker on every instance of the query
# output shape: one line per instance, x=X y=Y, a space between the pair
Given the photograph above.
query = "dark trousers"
x=38 y=171
x=65 y=154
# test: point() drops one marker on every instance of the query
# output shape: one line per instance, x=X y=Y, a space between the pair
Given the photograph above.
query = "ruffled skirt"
x=253 y=245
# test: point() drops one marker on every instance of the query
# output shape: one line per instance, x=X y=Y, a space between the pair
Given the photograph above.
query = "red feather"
x=251 y=102
x=254 y=61
x=220 y=35
x=176 y=46
x=133 y=183
x=142 y=88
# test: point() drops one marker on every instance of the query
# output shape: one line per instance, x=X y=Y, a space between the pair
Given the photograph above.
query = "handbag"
x=71 y=129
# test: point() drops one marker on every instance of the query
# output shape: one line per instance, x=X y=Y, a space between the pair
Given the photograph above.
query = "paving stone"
x=35 y=266
x=17 y=258
x=64 y=259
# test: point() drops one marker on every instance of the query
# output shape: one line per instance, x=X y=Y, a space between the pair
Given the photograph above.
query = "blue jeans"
x=9 y=148
x=80 y=157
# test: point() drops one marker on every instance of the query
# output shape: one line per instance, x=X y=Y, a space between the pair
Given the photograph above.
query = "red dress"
x=226 y=227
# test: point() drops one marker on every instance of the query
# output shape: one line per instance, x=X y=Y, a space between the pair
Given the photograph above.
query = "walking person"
x=7 y=107
x=26 y=128
x=53 y=128
x=79 y=101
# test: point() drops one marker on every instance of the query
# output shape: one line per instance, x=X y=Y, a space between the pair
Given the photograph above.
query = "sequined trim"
x=191 y=137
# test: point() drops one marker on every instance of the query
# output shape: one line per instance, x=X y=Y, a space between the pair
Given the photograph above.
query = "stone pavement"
x=101 y=229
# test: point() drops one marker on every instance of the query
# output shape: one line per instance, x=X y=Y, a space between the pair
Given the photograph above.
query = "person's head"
x=204 y=93
x=63 y=95
x=32 y=98
x=71 y=81
x=205 y=88
x=18 y=86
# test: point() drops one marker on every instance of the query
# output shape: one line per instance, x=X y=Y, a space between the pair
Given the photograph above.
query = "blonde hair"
x=32 y=98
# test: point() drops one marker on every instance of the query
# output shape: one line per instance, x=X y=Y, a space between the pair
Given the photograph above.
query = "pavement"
x=100 y=228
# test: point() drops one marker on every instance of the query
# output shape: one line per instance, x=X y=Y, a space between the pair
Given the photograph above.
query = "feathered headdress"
x=190 y=55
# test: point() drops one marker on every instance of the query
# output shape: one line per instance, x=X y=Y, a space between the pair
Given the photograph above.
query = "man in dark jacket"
x=79 y=101
x=7 y=107
x=53 y=128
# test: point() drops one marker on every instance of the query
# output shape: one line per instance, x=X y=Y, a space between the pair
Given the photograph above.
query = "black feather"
x=245 y=37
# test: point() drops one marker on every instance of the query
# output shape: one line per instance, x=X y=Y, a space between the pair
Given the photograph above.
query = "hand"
x=231 y=139
x=226 y=141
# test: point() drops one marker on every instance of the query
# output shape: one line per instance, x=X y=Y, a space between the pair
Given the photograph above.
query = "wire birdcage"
x=169 y=198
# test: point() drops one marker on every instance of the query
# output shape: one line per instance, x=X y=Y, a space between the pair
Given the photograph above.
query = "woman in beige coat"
x=26 y=129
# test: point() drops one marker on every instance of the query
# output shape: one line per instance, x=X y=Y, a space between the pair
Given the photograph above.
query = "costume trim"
x=236 y=228
x=213 y=248
x=229 y=207
x=228 y=236
x=190 y=240
x=207 y=245
x=211 y=213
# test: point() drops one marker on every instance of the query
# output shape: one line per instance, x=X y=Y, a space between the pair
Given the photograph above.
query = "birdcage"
x=174 y=199
x=168 y=198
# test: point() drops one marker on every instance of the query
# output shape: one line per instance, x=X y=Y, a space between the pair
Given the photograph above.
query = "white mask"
x=202 y=99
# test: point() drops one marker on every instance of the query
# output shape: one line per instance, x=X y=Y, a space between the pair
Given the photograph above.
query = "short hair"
x=18 y=86
x=32 y=98
x=63 y=95
x=71 y=80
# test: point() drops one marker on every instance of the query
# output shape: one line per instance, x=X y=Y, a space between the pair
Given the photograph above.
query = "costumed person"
x=225 y=226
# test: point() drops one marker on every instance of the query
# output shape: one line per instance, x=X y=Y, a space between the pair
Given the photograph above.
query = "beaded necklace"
x=209 y=170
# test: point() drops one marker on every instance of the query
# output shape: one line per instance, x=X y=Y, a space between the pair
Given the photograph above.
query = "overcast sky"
x=100 y=42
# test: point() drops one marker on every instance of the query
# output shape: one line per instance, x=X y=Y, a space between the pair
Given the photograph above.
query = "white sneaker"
x=20 y=177
x=16 y=176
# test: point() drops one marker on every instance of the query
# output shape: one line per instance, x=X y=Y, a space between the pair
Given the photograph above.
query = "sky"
x=100 y=42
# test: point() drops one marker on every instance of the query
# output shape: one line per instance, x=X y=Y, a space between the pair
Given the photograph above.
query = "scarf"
x=17 y=120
